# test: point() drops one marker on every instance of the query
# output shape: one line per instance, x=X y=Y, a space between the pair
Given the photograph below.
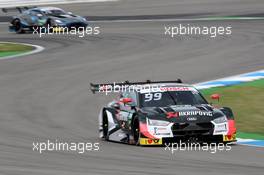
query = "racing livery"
x=172 y=111
x=31 y=18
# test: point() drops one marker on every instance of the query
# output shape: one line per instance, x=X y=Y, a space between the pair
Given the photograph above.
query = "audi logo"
x=192 y=119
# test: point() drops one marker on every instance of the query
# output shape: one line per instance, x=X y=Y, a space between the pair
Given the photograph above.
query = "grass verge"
x=10 y=49
x=247 y=102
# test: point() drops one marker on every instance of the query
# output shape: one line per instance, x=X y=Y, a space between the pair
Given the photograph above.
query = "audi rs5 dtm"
x=172 y=112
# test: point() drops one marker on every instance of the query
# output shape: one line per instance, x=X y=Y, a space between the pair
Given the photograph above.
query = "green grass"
x=245 y=135
x=8 y=49
x=247 y=102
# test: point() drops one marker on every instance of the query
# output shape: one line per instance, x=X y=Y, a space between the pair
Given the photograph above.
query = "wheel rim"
x=105 y=127
x=17 y=26
x=136 y=132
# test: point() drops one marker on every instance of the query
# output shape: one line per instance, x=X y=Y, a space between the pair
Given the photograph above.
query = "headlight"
x=220 y=120
x=58 y=21
x=158 y=122
x=84 y=19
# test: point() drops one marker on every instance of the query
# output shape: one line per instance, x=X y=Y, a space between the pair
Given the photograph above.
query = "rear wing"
x=16 y=9
x=109 y=87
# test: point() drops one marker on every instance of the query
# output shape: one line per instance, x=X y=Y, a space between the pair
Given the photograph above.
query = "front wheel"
x=136 y=132
x=105 y=127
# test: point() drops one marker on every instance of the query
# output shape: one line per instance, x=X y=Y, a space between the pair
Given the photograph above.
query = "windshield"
x=168 y=98
x=56 y=12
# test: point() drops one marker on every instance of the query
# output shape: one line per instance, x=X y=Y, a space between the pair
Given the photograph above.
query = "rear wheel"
x=49 y=26
x=18 y=26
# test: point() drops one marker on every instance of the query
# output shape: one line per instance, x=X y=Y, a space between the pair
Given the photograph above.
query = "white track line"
x=178 y=20
x=15 y=3
x=172 y=20
x=36 y=50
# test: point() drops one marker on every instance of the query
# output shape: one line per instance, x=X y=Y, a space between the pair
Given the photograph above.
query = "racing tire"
x=49 y=26
x=136 y=131
x=18 y=26
x=105 y=127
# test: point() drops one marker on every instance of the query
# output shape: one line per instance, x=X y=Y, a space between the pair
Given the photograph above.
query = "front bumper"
x=187 y=132
x=193 y=139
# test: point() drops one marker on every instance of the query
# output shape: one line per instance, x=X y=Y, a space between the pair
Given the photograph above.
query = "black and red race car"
x=154 y=113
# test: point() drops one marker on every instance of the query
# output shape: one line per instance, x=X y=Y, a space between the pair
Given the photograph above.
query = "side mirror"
x=116 y=105
x=215 y=97
x=126 y=100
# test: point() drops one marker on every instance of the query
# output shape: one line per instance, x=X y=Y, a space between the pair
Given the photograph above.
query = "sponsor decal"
x=191 y=118
x=220 y=128
x=146 y=141
x=228 y=138
x=161 y=131
x=172 y=115
x=192 y=113
x=189 y=113
x=163 y=89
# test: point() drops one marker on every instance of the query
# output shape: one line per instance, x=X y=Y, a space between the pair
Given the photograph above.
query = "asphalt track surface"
x=46 y=95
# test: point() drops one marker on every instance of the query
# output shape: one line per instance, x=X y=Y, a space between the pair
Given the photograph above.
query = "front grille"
x=179 y=126
x=207 y=125
x=186 y=129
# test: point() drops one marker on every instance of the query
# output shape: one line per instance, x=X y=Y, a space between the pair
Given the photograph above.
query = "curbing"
x=233 y=80
x=250 y=142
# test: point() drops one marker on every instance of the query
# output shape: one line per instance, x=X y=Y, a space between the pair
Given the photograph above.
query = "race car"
x=32 y=18
x=155 y=113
